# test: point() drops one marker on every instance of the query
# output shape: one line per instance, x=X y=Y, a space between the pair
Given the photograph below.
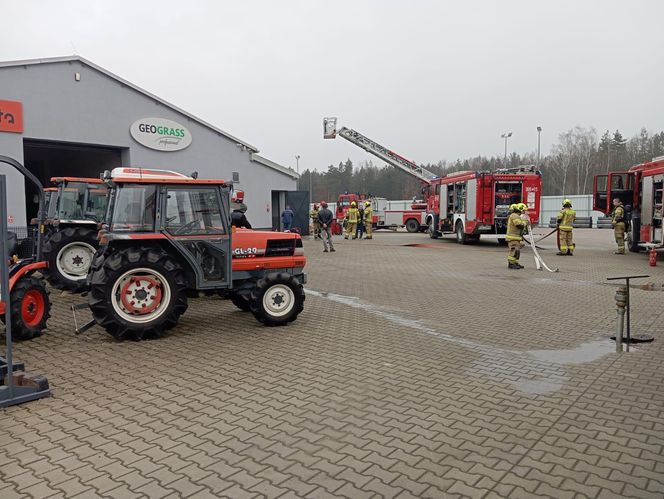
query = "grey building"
x=69 y=117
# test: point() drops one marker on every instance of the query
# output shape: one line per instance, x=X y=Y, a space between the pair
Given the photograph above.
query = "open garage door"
x=48 y=159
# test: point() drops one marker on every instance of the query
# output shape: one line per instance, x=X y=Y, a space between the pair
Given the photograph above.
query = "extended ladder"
x=390 y=157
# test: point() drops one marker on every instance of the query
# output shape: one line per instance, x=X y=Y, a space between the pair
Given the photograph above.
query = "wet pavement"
x=419 y=368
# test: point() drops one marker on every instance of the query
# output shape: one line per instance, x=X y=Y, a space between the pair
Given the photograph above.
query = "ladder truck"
x=469 y=204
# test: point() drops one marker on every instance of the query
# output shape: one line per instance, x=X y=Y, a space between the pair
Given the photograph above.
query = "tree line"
x=568 y=169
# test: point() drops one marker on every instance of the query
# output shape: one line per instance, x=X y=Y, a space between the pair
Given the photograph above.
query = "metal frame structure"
x=9 y=393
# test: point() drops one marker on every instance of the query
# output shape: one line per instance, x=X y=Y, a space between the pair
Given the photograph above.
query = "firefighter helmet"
x=523 y=206
x=567 y=202
x=516 y=207
x=512 y=207
x=353 y=204
x=367 y=203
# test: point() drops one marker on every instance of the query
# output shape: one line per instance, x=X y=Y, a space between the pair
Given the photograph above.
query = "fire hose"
x=539 y=262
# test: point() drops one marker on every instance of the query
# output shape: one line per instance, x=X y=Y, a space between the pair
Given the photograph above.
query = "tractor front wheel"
x=277 y=299
x=137 y=293
x=30 y=308
x=69 y=253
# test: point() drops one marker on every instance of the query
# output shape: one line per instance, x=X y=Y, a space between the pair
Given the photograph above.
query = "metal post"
x=627 y=306
x=311 y=192
x=506 y=136
x=539 y=132
x=297 y=167
x=621 y=301
x=4 y=283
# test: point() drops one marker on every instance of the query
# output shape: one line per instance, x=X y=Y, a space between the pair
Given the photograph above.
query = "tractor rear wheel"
x=277 y=299
x=69 y=253
x=137 y=293
x=30 y=308
x=412 y=225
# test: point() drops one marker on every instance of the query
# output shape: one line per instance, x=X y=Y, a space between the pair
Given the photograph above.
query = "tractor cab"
x=168 y=237
x=76 y=200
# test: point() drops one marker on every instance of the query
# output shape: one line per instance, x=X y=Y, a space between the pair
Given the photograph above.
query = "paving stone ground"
x=414 y=371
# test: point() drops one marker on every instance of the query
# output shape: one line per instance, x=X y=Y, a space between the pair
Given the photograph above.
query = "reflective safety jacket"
x=352 y=215
x=515 y=226
x=313 y=214
x=618 y=214
x=368 y=215
x=566 y=218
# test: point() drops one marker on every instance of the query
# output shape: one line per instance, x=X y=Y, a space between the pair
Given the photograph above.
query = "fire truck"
x=469 y=204
x=413 y=219
x=640 y=189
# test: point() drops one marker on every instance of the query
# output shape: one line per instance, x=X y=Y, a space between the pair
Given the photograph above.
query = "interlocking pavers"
x=404 y=377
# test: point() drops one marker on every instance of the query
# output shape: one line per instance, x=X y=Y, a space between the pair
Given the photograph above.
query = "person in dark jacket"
x=287 y=218
x=238 y=218
x=325 y=218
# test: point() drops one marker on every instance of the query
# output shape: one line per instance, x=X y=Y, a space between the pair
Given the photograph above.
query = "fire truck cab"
x=640 y=189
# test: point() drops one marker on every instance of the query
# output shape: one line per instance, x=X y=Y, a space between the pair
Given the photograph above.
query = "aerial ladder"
x=381 y=152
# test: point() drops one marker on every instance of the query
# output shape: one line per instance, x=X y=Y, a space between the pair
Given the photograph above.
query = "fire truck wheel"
x=69 y=253
x=277 y=299
x=412 y=225
x=432 y=230
x=137 y=293
x=460 y=234
x=30 y=308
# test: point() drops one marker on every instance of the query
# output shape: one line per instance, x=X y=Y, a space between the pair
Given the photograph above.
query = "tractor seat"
x=12 y=243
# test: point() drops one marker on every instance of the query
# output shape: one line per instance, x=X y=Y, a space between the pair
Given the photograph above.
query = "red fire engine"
x=640 y=189
x=468 y=204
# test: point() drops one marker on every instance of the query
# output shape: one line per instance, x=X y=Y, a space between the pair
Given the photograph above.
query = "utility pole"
x=506 y=136
x=311 y=192
x=297 y=168
x=539 y=132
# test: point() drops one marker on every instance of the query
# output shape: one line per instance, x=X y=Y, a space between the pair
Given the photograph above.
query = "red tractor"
x=75 y=207
x=28 y=299
x=168 y=238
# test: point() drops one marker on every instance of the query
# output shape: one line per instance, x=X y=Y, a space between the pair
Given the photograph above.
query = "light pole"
x=506 y=136
x=539 y=132
x=297 y=167
x=311 y=192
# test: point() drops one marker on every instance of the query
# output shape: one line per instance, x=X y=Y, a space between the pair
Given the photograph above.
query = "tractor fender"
x=26 y=270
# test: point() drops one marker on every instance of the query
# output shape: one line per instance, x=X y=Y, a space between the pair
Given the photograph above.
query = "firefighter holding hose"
x=514 y=236
x=565 y=219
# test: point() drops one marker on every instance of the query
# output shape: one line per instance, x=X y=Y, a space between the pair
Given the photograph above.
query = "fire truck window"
x=617 y=182
x=601 y=183
x=460 y=198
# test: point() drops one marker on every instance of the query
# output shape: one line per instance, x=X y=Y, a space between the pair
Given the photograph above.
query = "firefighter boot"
x=514 y=266
x=561 y=253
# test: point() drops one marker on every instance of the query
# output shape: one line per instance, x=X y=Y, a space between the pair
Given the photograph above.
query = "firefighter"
x=351 y=221
x=368 y=219
x=313 y=214
x=565 y=219
x=618 y=221
x=514 y=235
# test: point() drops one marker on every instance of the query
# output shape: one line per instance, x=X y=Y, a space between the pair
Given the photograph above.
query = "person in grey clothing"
x=325 y=218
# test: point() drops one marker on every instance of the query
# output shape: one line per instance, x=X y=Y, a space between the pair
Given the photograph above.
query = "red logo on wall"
x=11 y=116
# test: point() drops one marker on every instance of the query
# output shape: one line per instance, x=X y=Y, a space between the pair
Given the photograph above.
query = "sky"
x=431 y=80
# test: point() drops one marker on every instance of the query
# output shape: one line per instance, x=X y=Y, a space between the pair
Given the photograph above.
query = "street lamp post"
x=506 y=136
x=297 y=168
x=539 y=132
x=311 y=192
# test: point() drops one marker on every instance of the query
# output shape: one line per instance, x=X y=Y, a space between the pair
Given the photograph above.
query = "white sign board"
x=160 y=134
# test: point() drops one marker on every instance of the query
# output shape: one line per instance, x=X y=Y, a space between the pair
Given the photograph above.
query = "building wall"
x=98 y=110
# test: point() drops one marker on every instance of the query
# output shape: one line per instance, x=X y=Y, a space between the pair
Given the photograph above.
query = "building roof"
x=275 y=166
x=76 y=58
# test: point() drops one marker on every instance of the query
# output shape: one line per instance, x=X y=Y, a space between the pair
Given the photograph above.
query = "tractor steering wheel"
x=186 y=227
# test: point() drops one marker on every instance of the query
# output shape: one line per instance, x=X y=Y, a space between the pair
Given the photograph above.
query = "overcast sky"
x=430 y=79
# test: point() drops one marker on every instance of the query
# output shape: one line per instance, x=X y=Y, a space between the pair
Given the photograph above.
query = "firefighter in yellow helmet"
x=352 y=217
x=514 y=236
x=619 y=225
x=368 y=220
x=565 y=219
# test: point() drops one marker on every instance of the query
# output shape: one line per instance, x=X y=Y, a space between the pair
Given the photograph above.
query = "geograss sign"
x=160 y=134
